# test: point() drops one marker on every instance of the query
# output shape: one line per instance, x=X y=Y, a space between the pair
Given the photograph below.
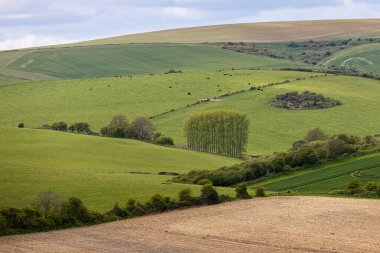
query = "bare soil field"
x=253 y=32
x=276 y=224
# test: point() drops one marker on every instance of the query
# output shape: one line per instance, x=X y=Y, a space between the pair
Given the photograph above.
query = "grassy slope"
x=7 y=57
x=273 y=129
x=96 y=100
x=95 y=169
x=255 y=32
x=369 y=52
x=79 y=62
x=326 y=178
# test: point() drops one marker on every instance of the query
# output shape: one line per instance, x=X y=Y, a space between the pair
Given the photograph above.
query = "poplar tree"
x=222 y=132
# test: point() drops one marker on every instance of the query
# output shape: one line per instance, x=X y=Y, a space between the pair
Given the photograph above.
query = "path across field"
x=276 y=224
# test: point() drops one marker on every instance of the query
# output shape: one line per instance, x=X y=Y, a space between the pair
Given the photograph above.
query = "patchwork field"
x=365 y=58
x=276 y=224
x=116 y=60
x=326 y=178
x=98 y=170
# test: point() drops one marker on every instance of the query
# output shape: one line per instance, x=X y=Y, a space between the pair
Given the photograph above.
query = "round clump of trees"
x=218 y=131
x=304 y=101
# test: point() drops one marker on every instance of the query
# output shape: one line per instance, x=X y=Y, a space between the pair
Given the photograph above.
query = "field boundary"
x=255 y=88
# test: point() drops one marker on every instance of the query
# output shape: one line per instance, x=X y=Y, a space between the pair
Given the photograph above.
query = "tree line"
x=315 y=148
x=140 y=128
x=222 y=132
x=50 y=211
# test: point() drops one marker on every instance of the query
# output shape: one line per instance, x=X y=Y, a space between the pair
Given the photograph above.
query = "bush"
x=241 y=191
x=74 y=211
x=185 y=198
x=159 y=203
x=353 y=185
x=164 y=140
x=59 y=126
x=260 y=192
x=21 y=125
x=204 y=181
x=209 y=195
x=81 y=127
x=371 y=187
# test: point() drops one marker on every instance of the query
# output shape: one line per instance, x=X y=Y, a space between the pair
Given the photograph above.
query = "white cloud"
x=182 y=13
x=31 y=40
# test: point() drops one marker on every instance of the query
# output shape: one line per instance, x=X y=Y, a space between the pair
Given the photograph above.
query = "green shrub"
x=353 y=185
x=209 y=195
x=371 y=187
x=185 y=198
x=241 y=191
x=260 y=192
x=159 y=203
x=74 y=211
x=204 y=181
x=164 y=140
x=21 y=125
x=59 y=126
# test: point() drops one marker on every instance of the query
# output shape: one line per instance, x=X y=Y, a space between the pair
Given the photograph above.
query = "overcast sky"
x=26 y=23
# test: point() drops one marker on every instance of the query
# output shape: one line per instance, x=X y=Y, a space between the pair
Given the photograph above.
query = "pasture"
x=97 y=100
x=100 y=171
x=273 y=129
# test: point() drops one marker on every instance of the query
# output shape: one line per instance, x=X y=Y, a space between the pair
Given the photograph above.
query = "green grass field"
x=326 y=178
x=273 y=129
x=365 y=58
x=96 y=169
x=97 y=100
x=116 y=60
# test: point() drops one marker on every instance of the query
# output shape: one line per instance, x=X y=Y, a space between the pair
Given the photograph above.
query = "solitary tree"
x=218 y=131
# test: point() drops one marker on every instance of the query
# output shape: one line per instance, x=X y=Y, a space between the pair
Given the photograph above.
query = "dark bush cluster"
x=305 y=100
x=315 y=148
x=141 y=129
x=81 y=127
x=50 y=211
x=370 y=189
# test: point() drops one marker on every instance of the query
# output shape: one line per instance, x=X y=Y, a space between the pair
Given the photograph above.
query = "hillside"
x=254 y=32
x=116 y=60
x=97 y=100
x=365 y=58
x=101 y=171
x=326 y=178
x=275 y=129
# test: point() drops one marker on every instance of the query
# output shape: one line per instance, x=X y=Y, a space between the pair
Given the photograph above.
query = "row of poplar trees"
x=222 y=132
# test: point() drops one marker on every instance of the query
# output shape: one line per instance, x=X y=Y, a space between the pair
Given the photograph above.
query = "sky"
x=28 y=23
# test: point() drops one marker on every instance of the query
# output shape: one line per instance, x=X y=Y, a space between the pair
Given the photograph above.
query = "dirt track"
x=277 y=224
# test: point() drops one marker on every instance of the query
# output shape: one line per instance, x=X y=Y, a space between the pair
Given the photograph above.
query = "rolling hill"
x=365 y=58
x=132 y=59
x=101 y=171
x=274 y=129
x=254 y=32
